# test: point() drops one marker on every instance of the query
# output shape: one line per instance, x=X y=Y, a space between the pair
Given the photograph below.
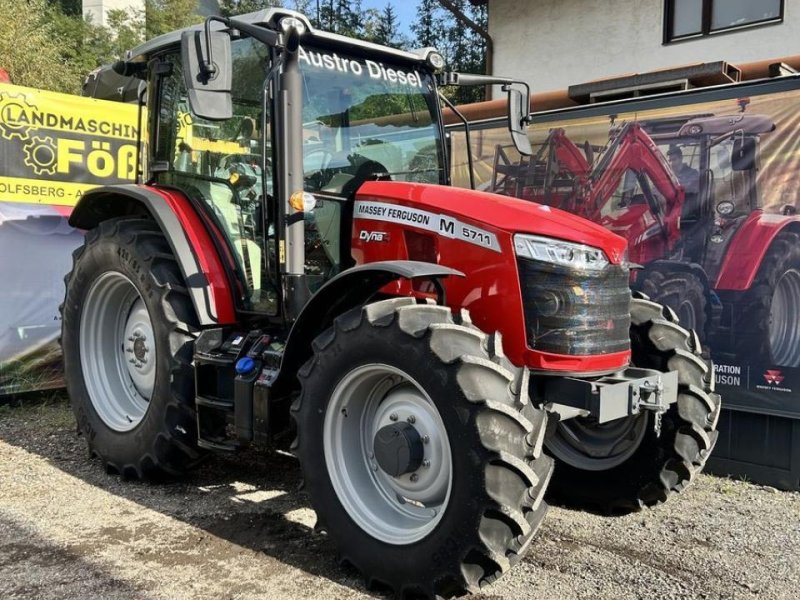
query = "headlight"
x=288 y=23
x=436 y=61
x=559 y=252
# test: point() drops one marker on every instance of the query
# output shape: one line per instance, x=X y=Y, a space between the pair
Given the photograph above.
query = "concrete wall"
x=557 y=43
x=98 y=9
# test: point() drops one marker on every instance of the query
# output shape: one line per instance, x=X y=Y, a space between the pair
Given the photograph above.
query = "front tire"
x=624 y=465
x=127 y=351
x=768 y=321
x=466 y=509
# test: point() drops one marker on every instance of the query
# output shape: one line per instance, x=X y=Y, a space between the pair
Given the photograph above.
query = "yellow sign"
x=54 y=147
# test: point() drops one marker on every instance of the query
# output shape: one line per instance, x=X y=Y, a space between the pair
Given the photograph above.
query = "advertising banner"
x=53 y=148
x=706 y=193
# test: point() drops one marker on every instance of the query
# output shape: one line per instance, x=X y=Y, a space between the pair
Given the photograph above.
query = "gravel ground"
x=237 y=528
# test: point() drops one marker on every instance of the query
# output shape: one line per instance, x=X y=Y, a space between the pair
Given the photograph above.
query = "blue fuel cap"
x=245 y=365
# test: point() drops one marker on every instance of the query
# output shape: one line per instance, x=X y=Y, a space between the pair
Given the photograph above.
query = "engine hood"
x=499 y=212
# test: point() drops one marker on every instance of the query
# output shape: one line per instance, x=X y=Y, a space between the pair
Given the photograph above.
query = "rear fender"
x=748 y=248
x=349 y=289
x=191 y=243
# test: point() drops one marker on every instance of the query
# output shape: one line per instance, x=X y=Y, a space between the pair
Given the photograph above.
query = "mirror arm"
x=208 y=63
x=265 y=36
x=527 y=120
x=464 y=121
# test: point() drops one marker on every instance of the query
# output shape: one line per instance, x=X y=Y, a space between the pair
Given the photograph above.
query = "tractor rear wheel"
x=683 y=292
x=127 y=350
x=767 y=327
x=420 y=450
x=625 y=464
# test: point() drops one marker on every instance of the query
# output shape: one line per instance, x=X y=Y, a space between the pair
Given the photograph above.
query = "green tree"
x=429 y=24
x=29 y=49
x=163 y=16
x=229 y=8
x=383 y=27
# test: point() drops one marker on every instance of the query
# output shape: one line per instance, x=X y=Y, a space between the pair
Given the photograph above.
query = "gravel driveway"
x=238 y=528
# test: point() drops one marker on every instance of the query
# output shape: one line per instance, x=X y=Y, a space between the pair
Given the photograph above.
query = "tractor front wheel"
x=628 y=463
x=420 y=450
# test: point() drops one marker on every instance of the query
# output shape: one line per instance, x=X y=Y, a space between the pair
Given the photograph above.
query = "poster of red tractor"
x=706 y=193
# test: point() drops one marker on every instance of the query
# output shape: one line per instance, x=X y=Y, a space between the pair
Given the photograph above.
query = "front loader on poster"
x=413 y=338
x=709 y=251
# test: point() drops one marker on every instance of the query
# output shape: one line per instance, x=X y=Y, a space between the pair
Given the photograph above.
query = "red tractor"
x=729 y=270
x=414 y=338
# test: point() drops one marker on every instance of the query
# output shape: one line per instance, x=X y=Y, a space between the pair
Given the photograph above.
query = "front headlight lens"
x=436 y=61
x=559 y=252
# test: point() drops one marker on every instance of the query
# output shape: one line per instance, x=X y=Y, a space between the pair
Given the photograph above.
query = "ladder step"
x=215 y=403
x=217 y=445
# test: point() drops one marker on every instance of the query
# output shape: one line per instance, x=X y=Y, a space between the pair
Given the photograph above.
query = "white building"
x=557 y=43
x=98 y=10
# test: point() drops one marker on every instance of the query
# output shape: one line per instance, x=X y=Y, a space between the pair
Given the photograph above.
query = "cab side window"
x=220 y=163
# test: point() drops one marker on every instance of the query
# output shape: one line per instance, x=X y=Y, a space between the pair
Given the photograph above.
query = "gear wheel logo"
x=40 y=155
x=15 y=113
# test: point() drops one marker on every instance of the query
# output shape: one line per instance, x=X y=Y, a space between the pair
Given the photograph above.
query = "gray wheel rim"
x=396 y=510
x=784 y=321
x=585 y=444
x=117 y=350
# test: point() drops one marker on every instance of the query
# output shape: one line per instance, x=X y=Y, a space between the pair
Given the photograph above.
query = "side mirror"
x=518 y=110
x=743 y=157
x=206 y=58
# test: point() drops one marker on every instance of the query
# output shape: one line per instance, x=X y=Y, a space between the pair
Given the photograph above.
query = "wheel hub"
x=387 y=453
x=118 y=356
x=398 y=449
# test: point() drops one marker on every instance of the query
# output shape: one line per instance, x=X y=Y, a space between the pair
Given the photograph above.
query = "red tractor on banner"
x=413 y=338
x=693 y=221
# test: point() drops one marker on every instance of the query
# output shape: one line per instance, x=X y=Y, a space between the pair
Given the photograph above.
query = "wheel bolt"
x=411 y=419
x=414 y=477
x=131 y=339
x=426 y=439
x=132 y=361
x=426 y=463
x=393 y=417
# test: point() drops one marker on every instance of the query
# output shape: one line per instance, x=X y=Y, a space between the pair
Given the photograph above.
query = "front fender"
x=748 y=248
x=349 y=289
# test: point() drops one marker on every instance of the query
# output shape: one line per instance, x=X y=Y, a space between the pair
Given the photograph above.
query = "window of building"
x=685 y=19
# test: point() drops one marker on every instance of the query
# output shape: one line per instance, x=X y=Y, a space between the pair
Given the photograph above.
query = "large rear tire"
x=767 y=326
x=127 y=344
x=684 y=293
x=463 y=509
x=624 y=465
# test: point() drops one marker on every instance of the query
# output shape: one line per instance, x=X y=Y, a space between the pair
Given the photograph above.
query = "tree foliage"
x=50 y=45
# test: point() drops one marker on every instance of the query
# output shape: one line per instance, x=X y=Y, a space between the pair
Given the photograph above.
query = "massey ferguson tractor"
x=325 y=282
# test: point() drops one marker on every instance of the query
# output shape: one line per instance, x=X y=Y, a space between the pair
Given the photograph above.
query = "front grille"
x=575 y=311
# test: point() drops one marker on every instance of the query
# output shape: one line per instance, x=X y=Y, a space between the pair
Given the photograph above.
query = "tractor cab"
x=270 y=127
x=714 y=157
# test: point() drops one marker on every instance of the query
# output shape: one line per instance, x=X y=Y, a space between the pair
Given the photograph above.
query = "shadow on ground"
x=247 y=499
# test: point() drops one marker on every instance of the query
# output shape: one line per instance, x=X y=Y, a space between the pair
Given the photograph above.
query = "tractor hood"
x=497 y=212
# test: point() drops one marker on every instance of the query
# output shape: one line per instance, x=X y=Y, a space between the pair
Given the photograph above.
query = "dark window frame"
x=705 y=29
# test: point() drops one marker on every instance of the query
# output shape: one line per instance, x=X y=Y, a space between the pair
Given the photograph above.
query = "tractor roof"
x=270 y=18
x=718 y=125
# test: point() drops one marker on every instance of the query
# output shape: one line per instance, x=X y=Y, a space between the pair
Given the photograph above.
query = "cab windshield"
x=365 y=119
